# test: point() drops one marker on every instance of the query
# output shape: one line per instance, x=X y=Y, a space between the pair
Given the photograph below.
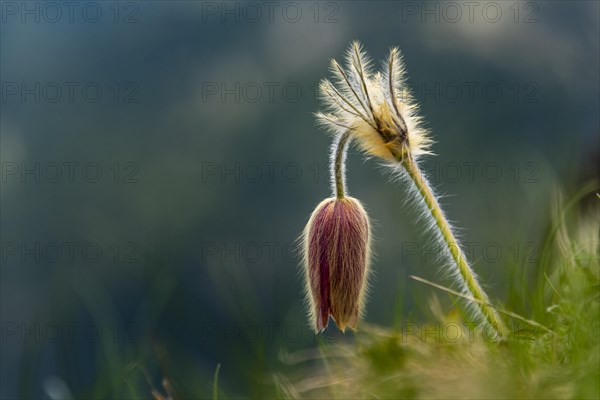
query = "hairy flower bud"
x=377 y=108
x=336 y=258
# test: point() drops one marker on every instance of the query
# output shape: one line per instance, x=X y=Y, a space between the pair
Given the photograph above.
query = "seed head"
x=376 y=107
x=336 y=260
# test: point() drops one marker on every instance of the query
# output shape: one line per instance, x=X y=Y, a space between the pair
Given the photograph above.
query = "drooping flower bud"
x=336 y=258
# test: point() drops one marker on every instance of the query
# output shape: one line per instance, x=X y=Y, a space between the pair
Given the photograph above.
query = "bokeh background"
x=159 y=160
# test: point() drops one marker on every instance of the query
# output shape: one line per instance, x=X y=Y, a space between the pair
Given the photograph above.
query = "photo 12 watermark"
x=69 y=92
x=270 y=12
x=457 y=332
x=69 y=252
x=61 y=332
x=476 y=92
x=469 y=12
x=488 y=252
x=69 y=172
x=238 y=92
x=248 y=252
x=290 y=172
x=70 y=12
x=271 y=172
x=291 y=333
x=253 y=332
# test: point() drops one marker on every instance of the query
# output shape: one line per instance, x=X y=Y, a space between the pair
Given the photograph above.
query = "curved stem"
x=465 y=272
x=338 y=164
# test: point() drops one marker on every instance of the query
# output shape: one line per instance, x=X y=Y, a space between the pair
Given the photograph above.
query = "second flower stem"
x=339 y=164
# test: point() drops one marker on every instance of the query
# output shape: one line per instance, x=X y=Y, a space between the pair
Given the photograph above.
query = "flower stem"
x=339 y=168
x=465 y=272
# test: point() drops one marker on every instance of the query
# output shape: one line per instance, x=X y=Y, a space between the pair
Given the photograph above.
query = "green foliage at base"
x=558 y=356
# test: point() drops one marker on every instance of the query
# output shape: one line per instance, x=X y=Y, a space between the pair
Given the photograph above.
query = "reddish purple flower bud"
x=336 y=258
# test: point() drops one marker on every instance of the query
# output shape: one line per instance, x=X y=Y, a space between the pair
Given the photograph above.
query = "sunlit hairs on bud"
x=336 y=251
x=377 y=111
x=336 y=259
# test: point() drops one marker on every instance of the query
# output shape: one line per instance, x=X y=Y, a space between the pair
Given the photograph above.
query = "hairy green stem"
x=465 y=271
x=339 y=153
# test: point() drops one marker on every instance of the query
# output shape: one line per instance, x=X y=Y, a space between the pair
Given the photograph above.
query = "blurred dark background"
x=159 y=160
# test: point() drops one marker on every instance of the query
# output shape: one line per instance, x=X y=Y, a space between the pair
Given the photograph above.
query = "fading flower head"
x=336 y=261
x=376 y=107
